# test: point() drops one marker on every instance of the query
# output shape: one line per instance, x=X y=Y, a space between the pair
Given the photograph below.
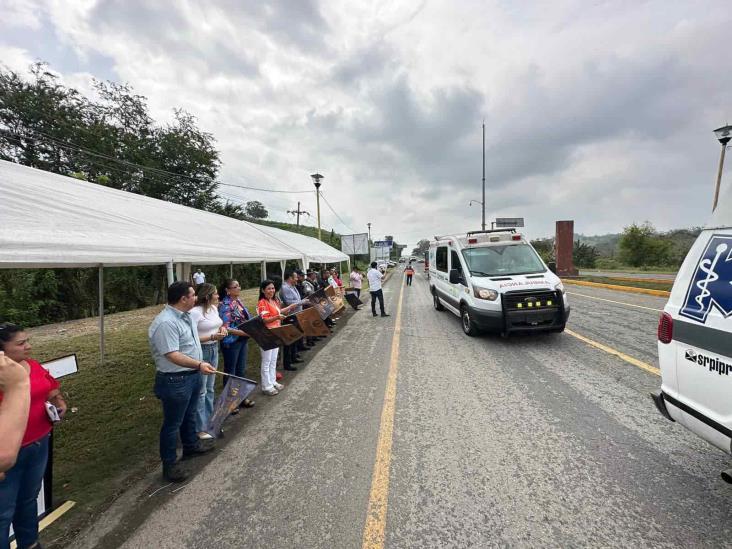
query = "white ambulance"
x=695 y=337
x=495 y=281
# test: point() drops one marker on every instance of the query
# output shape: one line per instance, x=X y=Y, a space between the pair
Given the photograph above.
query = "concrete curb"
x=631 y=289
x=634 y=279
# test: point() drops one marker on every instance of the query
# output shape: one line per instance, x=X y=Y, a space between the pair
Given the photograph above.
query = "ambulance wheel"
x=559 y=330
x=436 y=302
x=467 y=323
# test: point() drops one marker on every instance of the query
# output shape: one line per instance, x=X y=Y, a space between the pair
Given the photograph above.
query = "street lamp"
x=369 y=226
x=316 y=180
x=483 y=205
x=723 y=134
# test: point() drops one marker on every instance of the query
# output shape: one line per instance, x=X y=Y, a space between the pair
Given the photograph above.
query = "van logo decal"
x=711 y=363
x=711 y=285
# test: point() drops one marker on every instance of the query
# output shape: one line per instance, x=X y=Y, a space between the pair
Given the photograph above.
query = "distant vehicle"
x=495 y=281
x=391 y=264
x=694 y=334
x=402 y=260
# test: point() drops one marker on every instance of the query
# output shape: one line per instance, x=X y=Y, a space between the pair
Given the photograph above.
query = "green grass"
x=111 y=439
x=634 y=284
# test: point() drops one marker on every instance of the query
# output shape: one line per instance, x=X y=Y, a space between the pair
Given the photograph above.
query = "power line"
x=158 y=171
x=334 y=213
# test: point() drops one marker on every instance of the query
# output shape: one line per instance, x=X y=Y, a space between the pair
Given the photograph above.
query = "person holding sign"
x=176 y=349
x=22 y=483
x=270 y=309
x=235 y=346
x=206 y=319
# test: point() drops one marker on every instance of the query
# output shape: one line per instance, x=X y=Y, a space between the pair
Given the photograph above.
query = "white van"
x=495 y=281
x=695 y=338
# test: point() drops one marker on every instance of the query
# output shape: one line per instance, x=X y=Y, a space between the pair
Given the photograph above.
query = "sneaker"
x=174 y=473
x=270 y=392
x=203 y=447
x=279 y=386
x=204 y=436
x=384 y=314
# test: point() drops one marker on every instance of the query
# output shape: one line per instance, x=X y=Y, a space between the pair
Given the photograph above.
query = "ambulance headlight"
x=482 y=293
x=560 y=287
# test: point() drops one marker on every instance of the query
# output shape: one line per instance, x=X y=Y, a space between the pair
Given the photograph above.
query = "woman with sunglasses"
x=234 y=347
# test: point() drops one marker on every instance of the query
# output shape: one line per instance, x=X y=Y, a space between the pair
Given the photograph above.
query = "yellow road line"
x=627 y=358
x=50 y=518
x=618 y=288
x=618 y=302
x=375 y=527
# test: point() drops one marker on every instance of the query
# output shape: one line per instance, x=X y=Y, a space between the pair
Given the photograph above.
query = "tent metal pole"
x=101 y=314
x=231 y=270
x=282 y=268
x=171 y=276
x=263 y=271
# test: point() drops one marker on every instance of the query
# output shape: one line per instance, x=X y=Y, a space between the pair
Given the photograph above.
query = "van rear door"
x=701 y=306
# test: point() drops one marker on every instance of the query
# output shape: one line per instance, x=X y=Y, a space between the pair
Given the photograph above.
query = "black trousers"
x=378 y=294
x=289 y=352
x=409 y=280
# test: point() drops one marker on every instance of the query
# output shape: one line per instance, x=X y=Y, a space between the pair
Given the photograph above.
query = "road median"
x=618 y=288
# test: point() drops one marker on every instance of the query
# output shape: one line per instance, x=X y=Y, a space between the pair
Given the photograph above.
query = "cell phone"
x=52 y=412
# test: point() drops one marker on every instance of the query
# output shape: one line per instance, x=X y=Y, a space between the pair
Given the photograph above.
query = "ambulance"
x=495 y=281
x=695 y=337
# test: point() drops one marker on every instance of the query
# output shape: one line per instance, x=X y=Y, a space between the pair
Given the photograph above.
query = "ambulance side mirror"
x=455 y=277
x=552 y=266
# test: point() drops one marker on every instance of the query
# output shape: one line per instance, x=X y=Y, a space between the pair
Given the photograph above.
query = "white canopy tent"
x=314 y=250
x=50 y=220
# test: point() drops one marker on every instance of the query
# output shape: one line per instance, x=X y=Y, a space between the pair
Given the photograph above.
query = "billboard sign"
x=505 y=222
x=383 y=244
x=355 y=244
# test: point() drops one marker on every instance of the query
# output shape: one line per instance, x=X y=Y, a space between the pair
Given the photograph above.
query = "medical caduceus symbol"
x=708 y=266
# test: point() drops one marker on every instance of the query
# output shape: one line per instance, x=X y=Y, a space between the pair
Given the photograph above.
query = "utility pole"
x=298 y=212
x=483 y=222
x=316 y=180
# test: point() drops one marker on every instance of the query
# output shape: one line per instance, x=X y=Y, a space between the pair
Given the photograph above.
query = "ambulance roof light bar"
x=485 y=231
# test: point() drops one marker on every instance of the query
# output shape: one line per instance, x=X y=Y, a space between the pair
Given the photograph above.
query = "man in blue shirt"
x=176 y=350
x=289 y=295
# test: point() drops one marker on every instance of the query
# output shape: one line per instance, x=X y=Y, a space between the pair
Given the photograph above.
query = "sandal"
x=247 y=403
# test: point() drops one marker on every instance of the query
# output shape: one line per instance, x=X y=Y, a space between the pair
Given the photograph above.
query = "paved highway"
x=532 y=441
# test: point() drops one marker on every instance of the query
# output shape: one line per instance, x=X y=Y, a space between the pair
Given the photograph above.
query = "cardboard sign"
x=287 y=333
x=258 y=331
x=321 y=302
x=311 y=324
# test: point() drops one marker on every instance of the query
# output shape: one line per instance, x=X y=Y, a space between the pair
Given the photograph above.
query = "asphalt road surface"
x=525 y=442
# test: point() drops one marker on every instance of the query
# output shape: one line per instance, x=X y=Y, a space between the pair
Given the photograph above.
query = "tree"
x=422 y=247
x=545 y=248
x=584 y=255
x=256 y=210
x=640 y=246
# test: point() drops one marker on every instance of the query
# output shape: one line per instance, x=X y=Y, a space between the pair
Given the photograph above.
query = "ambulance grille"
x=531 y=300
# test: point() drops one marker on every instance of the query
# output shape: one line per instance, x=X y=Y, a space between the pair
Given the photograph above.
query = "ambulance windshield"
x=513 y=259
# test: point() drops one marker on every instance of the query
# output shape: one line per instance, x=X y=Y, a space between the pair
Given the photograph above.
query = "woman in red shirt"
x=19 y=489
x=271 y=310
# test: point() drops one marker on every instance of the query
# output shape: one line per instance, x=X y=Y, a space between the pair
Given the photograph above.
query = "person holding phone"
x=22 y=483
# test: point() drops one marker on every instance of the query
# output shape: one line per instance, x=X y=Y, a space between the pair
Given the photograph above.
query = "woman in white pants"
x=271 y=310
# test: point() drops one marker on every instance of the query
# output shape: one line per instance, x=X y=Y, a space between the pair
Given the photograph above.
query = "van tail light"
x=665 y=328
x=516 y=237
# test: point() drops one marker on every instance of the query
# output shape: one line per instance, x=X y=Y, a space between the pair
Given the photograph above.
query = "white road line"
x=617 y=302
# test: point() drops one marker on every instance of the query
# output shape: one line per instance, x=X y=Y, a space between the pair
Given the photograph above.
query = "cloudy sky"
x=601 y=112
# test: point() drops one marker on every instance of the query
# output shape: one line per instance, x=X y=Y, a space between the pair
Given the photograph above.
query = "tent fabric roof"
x=50 y=220
x=315 y=250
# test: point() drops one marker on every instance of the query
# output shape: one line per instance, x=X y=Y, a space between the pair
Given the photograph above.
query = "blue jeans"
x=179 y=395
x=206 y=396
x=235 y=357
x=18 y=494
